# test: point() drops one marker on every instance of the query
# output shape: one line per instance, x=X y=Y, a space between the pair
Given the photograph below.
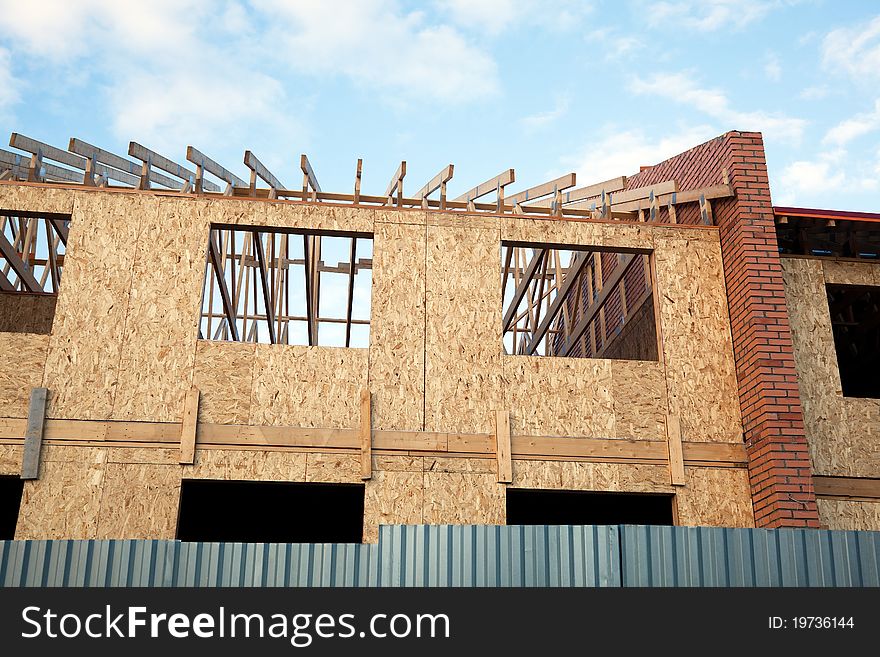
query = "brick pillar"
x=779 y=462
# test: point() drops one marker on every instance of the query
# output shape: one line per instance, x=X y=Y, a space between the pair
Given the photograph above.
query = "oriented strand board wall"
x=27 y=313
x=161 y=325
x=845 y=514
x=224 y=374
x=715 y=497
x=697 y=344
x=22 y=359
x=463 y=377
x=843 y=432
x=308 y=386
x=397 y=325
x=82 y=368
x=10 y=459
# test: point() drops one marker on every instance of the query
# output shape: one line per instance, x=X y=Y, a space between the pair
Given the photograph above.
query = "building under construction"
x=188 y=354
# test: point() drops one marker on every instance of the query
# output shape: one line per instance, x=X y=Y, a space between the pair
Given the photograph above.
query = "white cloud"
x=619 y=153
x=854 y=127
x=614 y=44
x=496 y=16
x=829 y=173
x=708 y=15
x=376 y=44
x=817 y=92
x=679 y=87
x=542 y=119
x=772 y=67
x=8 y=84
x=855 y=50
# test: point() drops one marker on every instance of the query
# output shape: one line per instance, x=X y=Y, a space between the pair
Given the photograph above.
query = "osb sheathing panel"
x=697 y=345
x=862 y=436
x=399 y=463
x=22 y=359
x=845 y=514
x=417 y=217
x=463 y=343
x=139 y=501
x=554 y=231
x=717 y=497
x=459 y=464
x=36 y=199
x=308 y=386
x=27 y=313
x=82 y=366
x=247 y=465
x=457 y=498
x=10 y=459
x=224 y=373
x=397 y=327
x=825 y=417
x=333 y=468
x=161 y=327
x=455 y=220
x=851 y=273
x=638 y=389
x=575 y=475
x=318 y=216
x=392 y=498
x=65 y=501
x=559 y=396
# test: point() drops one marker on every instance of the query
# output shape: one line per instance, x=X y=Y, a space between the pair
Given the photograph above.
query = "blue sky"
x=549 y=87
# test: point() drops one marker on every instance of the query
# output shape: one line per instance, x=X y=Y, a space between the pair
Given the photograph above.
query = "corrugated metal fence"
x=469 y=555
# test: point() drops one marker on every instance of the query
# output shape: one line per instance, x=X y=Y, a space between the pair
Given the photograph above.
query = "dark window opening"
x=32 y=251
x=577 y=302
x=270 y=512
x=572 y=507
x=10 y=501
x=855 y=321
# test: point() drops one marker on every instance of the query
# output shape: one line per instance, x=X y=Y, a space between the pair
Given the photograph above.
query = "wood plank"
x=396 y=184
x=309 y=173
x=619 y=199
x=154 y=159
x=687 y=196
x=228 y=308
x=436 y=182
x=853 y=488
x=366 y=431
x=207 y=164
x=594 y=447
x=411 y=440
x=264 y=285
x=119 y=169
x=521 y=289
x=596 y=189
x=502 y=447
x=676 y=456
x=33 y=438
x=734 y=453
x=573 y=271
x=189 y=427
x=544 y=189
x=499 y=182
x=13 y=258
x=260 y=170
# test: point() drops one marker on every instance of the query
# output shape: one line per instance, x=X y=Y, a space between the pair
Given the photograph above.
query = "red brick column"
x=779 y=462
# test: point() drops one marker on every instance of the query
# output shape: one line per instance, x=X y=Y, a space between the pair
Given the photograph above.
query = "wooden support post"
x=706 y=210
x=33 y=439
x=357 y=181
x=502 y=447
x=188 y=428
x=676 y=457
x=672 y=217
x=366 y=437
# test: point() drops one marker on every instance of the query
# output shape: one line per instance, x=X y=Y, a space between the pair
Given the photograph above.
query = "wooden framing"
x=496 y=184
x=258 y=170
x=152 y=159
x=502 y=447
x=366 y=436
x=395 y=186
x=550 y=188
x=437 y=182
x=204 y=163
x=118 y=168
x=24 y=268
x=189 y=427
x=864 y=489
x=676 y=456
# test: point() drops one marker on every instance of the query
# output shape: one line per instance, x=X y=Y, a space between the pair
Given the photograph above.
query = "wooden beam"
x=33 y=438
x=604 y=292
x=204 y=163
x=350 y=305
x=24 y=273
x=264 y=284
x=309 y=256
x=677 y=198
x=310 y=180
x=544 y=189
x=396 y=185
x=847 y=488
x=673 y=445
x=502 y=447
x=119 y=169
x=596 y=189
x=521 y=289
x=498 y=183
x=574 y=270
x=226 y=299
x=437 y=182
x=366 y=436
x=357 y=181
x=258 y=170
x=618 y=199
x=153 y=159
x=189 y=427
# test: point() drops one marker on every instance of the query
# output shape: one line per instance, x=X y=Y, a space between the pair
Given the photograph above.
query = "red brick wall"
x=779 y=462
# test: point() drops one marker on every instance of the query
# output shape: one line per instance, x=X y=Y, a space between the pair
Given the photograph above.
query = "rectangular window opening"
x=855 y=322
x=11 y=488
x=270 y=512
x=277 y=286
x=574 y=507
x=32 y=251
x=577 y=302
